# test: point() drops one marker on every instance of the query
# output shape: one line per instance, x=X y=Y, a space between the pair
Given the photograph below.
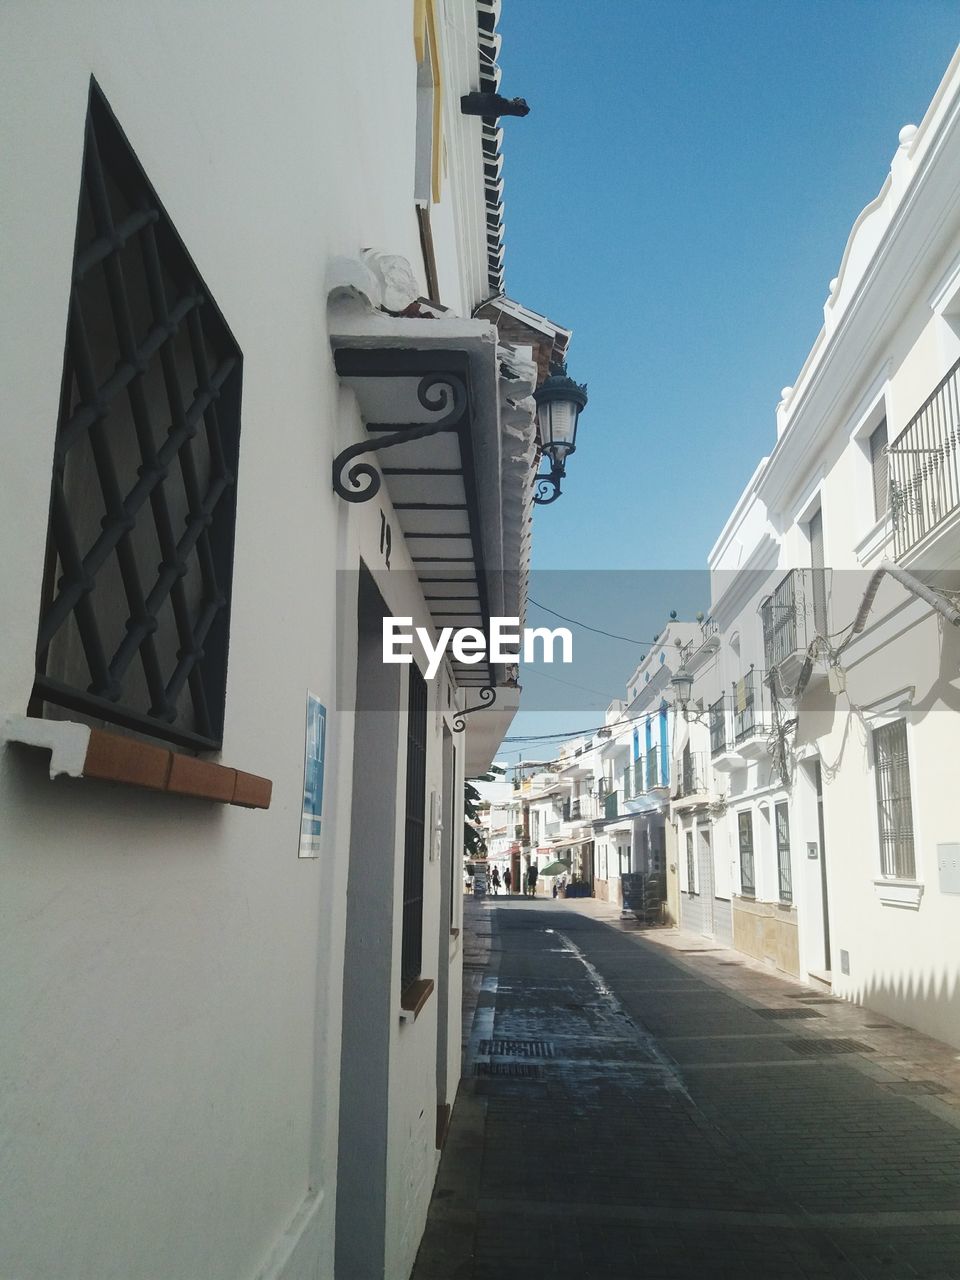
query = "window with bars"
x=411 y=946
x=691 y=865
x=686 y=771
x=748 y=885
x=880 y=469
x=894 y=805
x=784 y=871
x=135 y=605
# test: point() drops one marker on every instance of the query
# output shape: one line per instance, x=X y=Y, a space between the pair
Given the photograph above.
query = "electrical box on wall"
x=948 y=862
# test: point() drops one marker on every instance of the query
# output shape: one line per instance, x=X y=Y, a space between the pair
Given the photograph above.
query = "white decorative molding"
x=875 y=541
x=351 y=279
x=66 y=740
x=946 y=289
x=904 y=222
x=399 y=287
x=899 y=893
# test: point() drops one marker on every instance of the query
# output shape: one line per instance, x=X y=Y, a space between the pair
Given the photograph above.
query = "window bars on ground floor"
x=135 y=601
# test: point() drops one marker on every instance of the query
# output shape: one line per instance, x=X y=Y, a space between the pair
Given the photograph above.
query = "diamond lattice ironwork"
x=135 y=610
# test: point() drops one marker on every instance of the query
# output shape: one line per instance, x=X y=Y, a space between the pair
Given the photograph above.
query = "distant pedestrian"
x=495 y=878
x=532 y=880
x=507 y=879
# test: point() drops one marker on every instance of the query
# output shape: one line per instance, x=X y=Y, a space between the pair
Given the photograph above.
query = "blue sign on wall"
x=313 y=778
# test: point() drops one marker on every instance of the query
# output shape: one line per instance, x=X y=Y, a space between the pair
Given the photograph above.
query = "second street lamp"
x=559 y=402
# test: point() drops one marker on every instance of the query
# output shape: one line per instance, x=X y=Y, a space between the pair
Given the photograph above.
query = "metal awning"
x=448 y=430
x=432 y=479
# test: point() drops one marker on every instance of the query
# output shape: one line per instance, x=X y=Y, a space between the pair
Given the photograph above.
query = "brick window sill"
x=413 y=997
x=77 y=751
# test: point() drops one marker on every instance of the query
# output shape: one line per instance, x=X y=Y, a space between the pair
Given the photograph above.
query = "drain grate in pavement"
x=518 y=1070
x=826 y=1048
x=916 y=1086
x=516 y=1048
x=794 y=1012
x=805 y=999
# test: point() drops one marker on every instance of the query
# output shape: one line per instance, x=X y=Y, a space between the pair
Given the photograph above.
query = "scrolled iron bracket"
x=547 y=487
x=436 y=391
x=488 y=696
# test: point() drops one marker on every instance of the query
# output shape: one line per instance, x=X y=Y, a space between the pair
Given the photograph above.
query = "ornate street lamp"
x=559 y=402
x=682 y=684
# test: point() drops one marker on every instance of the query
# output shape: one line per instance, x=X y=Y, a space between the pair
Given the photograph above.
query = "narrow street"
x=649 y=1105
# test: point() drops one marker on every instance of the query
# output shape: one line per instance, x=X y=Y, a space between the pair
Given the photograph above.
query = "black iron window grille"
x=748 y=885
x=411 y=946
x=894 y=802
x=784 y=869
x=691 y=866
x=134 y=617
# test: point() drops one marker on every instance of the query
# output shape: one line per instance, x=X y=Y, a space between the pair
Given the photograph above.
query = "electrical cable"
x=598 y=630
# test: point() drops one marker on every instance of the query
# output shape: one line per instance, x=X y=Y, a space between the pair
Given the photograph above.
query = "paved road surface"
x=625 y=1115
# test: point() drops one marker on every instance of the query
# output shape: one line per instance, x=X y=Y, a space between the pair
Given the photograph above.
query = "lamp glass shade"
x=558 y=426
x=682 y=682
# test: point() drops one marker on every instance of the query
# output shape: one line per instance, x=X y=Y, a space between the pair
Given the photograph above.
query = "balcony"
x=792 y=617
x=925 y=468
x=610 y=807
x=751 y=713
x=717 y=718
x=580 y=809
x=691 y=775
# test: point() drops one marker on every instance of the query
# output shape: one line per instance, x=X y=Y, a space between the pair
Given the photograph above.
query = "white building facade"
x=830 y=692
x=232 y=959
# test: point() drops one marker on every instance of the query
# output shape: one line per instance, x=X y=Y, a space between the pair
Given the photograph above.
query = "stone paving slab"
x=663 y=1127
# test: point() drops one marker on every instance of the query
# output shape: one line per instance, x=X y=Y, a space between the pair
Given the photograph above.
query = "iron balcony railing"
x=925 y=466
x=628 y=782
x=794 y=614
x=692 y=774
x=717 y=716
x=638 y=777
x=750 y=700
x=579 y=808
x=653 y=768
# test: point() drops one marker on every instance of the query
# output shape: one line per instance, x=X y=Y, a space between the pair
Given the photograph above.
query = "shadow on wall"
x=930 y=1002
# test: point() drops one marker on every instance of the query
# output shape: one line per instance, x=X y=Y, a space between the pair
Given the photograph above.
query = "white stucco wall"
x=890 y=336
x=172 y=972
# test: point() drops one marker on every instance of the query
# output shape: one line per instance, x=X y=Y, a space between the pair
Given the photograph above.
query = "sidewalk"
x=640 y=1103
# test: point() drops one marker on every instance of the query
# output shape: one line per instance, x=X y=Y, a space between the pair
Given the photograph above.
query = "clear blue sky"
x=680 y=196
